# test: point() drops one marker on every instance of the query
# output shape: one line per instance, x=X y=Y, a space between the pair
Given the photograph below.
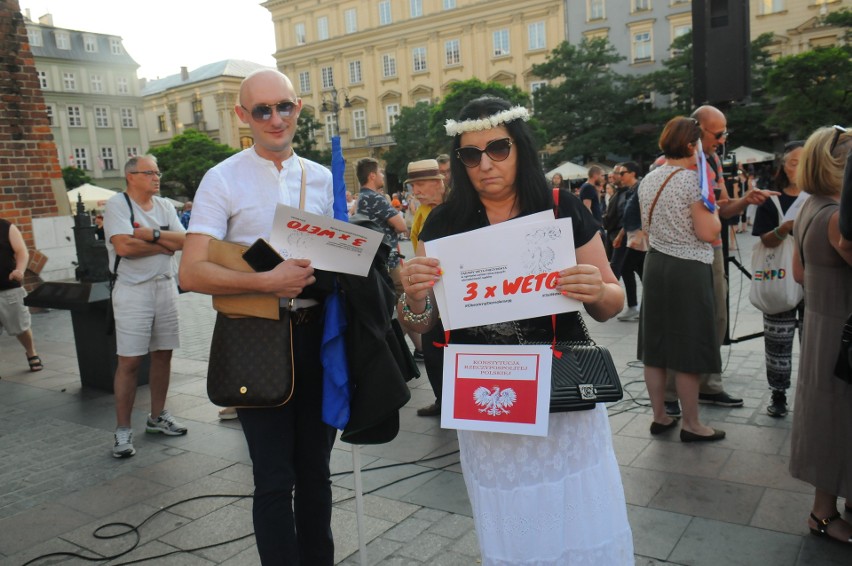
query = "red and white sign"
x=497 y=388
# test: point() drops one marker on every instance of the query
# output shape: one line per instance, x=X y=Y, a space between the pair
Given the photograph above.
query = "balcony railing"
x=373 y=141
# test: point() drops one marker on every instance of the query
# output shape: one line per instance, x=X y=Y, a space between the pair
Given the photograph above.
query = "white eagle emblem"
x=494 y=402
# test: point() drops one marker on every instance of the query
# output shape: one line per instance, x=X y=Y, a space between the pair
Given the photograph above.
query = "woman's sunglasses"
x=263 y=112
x=497 y=150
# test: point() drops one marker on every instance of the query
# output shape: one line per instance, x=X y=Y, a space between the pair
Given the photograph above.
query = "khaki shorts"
x=14 y=315
x=146 y=317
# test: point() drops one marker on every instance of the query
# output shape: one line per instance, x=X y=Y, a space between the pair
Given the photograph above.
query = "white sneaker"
x=165 y=424
x=632 y=313
x=123 y=447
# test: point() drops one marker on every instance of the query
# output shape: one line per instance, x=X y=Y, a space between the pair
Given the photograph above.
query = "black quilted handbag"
x=582 y=374
x=251 y=362
x=843 y=367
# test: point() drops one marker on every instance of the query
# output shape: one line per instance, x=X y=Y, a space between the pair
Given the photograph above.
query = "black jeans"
x=634 y=262
x=290 y=448
x=433 y=359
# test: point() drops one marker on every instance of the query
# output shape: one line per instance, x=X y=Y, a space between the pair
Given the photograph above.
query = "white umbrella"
x=750 y=155
x=94 y=197
x=570 y=171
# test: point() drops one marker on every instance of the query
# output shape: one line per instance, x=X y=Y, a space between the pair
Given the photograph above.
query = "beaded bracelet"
x=415 y=318
x=778 y=234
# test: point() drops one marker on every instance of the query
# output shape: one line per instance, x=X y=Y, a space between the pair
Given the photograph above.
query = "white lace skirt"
x=556 y=500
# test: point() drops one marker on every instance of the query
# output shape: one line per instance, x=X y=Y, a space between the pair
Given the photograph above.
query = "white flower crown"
x=476 y=125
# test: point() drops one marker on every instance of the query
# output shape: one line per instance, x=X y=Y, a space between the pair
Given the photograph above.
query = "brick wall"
x=29 y=167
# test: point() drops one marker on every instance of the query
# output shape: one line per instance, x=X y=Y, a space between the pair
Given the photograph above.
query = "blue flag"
x=703 y=180
x=336 y=392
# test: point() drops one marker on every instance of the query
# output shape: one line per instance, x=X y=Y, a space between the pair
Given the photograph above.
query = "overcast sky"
x=164 y=35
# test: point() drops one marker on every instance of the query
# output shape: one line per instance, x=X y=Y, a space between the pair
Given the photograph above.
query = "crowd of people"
x=663 y=226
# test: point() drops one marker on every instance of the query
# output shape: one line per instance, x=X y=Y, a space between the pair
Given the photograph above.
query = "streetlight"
x=331 y=105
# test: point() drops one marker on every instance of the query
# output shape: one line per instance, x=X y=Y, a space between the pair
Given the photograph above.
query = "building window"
x=449 y=4
x=772 y=6
x=300 y=34
x=641 y=5
x=107 y=159
x=63 y=40
x=90 y=43
x=304 y=81
x=536 y=35
x=97 y=83
x=418 y=55
x=350 y=20
x=80 y=158
x=246 y=142
x=359 y=123
x=330 y=130
x=681 y=30
x=42 y=79
x=642 y=47
x=34 y=37
x=69 y=81
x=115 y=46
x=416 y=8
x=197 y=111
x=392 y=115
x=327 y=78
x=354 y=72
x=50 y=114
x=322 y=28
x=122 y=86
x=75 y=116
x=101 y=117
x=535 y=85
x=595 y=10
x=128 y=118
x=132 y=151
x=161 y=123
x=452 y=52
x=388 y=65
x=385 y=13
x=500 y=40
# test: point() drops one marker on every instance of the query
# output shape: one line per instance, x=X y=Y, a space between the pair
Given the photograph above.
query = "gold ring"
x=409 y=281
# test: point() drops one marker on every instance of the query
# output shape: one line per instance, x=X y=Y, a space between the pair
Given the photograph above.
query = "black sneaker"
x=673 y=408
x=722 y=399
x=778 y=407
x=418 y=355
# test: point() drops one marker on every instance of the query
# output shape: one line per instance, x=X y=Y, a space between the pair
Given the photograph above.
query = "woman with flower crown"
x=558 y=499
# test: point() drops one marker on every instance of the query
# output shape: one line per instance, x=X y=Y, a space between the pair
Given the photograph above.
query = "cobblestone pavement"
x=732 y=503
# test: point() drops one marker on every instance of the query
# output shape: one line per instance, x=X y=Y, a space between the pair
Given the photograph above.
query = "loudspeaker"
x=721 y=51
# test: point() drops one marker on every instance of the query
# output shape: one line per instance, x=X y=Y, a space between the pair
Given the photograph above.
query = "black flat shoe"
x=659 y=428
x=822 y=528
x=686 y=436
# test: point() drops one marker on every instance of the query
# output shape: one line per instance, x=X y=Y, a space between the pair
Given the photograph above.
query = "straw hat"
x=423 y=170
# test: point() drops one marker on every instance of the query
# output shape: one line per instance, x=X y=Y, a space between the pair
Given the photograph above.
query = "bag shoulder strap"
x=660 y=191
x=132 y=222
x=777 y=202
x=304 y=184
x=805 y=230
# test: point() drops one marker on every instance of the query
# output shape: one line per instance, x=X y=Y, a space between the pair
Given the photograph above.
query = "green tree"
x=185 y=160
x=812 y=89
x=74 y=177
x=587 y=107
x=305 y=141
x=675 y=79
x=413 y=137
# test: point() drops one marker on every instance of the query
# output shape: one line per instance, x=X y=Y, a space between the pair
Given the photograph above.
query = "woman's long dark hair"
x=781 y=181
x=531 y=186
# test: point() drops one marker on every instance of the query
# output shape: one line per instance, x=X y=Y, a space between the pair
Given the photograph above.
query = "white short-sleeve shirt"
x=135 y=270
x=672 y=231
x=236 y=199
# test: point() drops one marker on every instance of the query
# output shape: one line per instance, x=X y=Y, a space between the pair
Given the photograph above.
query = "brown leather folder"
x=259 y=305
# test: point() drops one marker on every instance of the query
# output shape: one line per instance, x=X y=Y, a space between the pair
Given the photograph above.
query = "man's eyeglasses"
x=620 y=172
x=497 y=150
x=147 y=173
x=263 y=112
x=838 y=130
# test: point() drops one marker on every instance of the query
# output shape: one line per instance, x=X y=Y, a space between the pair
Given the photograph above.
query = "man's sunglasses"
x=838 y=130
x=263 y=112
x=720 y=135
x=147 y=173
x=497 y=150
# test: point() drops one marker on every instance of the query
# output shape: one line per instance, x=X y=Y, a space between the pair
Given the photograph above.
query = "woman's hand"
x=582 y=282
x=419 y=275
